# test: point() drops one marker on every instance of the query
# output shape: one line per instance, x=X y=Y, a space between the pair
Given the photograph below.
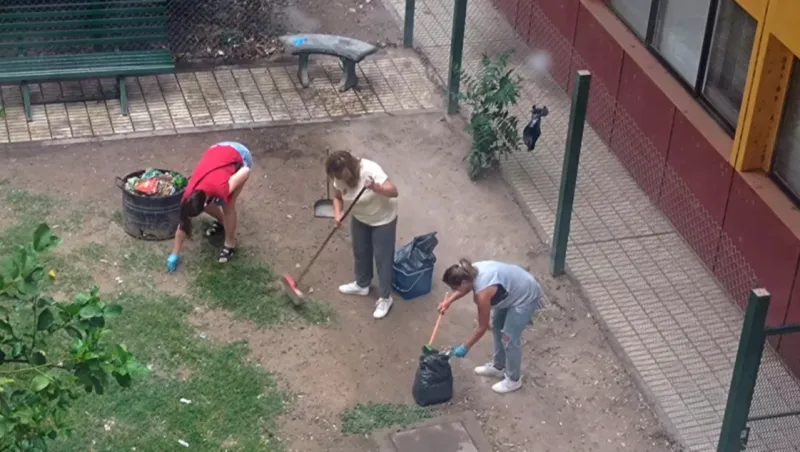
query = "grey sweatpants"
x=374 y=242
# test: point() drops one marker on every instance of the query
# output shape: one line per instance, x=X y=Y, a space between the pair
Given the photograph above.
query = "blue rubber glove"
x=460 y=351
x=172 y=262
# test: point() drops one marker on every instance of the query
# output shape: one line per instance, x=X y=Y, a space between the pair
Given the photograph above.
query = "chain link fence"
x=546 y=61
x=219 y=31
x=774 y=418
x=614 y=220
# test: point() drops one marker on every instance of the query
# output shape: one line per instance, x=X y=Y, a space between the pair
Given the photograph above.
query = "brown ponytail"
x=343 y=166
x=191 y=207
x=457 y=274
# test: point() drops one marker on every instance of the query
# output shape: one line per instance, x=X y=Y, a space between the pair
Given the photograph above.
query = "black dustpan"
x=323 y=208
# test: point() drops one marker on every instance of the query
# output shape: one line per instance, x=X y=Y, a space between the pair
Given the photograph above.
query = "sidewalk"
x=662 y=307
x=391 y=82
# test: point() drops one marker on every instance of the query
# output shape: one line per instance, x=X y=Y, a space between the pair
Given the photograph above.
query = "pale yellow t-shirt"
x=372 y=209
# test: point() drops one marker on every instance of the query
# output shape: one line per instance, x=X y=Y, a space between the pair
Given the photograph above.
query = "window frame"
x=772 y=173
x=696 y=86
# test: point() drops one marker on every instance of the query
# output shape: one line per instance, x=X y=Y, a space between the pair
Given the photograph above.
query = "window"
x=635 y=12
x=734 y=35
x=705 y=43
x=786 y=164
x=679 y=33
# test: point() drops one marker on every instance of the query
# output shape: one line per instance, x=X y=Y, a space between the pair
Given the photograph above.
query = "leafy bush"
x=50 y=352
x=494 y=130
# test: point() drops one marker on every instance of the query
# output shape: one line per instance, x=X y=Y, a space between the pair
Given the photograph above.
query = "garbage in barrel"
x=151 y=203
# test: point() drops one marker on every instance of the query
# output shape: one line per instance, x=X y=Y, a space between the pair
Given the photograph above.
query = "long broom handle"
x=330 y=235
x=435 y=329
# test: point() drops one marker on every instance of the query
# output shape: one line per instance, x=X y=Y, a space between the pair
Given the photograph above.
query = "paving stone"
x=169 y=102
x=454 y=433
x=294 y=103
x=176 y=104
x=252 y=96
x=195 y=101
x=233 y=97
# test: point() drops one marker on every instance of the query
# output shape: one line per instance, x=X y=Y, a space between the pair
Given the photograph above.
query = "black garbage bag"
x=433 y=383
x=417 y=254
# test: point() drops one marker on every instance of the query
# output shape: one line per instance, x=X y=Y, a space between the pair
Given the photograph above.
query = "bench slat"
x=80 y=13
x=84 y=42
x=88 y=72
x=94 y=65
x=65 y=61
x=129 y=31
x=50 y=24
x=72 y=5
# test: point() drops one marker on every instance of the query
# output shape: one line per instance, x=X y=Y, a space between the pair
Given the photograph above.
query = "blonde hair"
x=343 y=166
x=458 y=273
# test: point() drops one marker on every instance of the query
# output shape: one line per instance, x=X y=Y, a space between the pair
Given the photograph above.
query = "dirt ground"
x=576 y=395
x=367 y=20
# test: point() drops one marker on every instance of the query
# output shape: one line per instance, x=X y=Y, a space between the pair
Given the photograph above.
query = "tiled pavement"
x=665 y=309
x=174 y=103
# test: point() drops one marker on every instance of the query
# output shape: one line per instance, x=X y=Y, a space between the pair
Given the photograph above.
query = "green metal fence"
x=758 y=412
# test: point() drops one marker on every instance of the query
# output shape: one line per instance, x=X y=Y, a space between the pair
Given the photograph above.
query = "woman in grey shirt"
x=507 y=296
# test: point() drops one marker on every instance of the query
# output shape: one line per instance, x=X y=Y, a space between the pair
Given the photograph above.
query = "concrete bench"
x=350 y=52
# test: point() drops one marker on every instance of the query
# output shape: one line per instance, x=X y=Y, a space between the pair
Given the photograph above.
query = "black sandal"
x=215 y=229
x=226 y=254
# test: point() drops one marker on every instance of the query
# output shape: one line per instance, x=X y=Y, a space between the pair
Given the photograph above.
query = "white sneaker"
x=488 y=370
x=507 y=386
x=382 y=307
x=353 y=289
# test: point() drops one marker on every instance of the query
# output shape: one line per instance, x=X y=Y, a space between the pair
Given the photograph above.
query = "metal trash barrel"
x=149 y=217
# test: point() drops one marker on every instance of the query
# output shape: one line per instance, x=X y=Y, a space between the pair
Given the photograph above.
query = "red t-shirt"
x=212 y=173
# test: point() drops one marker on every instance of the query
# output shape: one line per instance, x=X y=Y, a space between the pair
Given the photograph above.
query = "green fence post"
x=408 y=24
x=569 y=172
x=456 y=54
x=745 y=372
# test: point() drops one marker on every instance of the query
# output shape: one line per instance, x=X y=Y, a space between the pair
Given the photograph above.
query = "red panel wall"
x=642 y=127
x=790 y=344
x=596 y=50
x=694 y=191
x=562 y=13
x=544 y=35
x=766 y=244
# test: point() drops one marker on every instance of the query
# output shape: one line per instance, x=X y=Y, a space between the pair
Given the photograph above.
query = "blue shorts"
x=243 y=151
x=247 y=158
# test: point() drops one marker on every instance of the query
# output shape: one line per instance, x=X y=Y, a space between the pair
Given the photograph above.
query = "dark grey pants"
x=374 y=242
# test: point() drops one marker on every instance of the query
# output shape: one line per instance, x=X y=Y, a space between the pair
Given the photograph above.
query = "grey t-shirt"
x=520 y=287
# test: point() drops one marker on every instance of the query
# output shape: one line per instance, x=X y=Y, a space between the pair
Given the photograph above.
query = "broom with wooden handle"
x=291 y=285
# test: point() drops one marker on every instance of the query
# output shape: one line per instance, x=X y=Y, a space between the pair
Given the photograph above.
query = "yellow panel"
x=755 y=139
x=754 y=7
x=777 y=42
x=754 y=75
x=782 y=21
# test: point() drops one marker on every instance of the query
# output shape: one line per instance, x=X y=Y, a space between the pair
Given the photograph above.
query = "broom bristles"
x=292 y=290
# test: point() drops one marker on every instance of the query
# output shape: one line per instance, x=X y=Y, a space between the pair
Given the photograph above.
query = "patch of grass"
x=233 y=404
x=28 y=210
x=365 y=418
x=248 y=288
x=142 y=257
x=116 y=217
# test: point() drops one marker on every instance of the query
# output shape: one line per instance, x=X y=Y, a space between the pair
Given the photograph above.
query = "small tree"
x=50 y=352
x=494 y=130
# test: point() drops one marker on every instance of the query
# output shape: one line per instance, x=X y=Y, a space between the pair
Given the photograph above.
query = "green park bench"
x=350 y=52
x=70 y=40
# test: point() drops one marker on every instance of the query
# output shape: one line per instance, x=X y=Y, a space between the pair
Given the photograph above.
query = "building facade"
x=705 y=99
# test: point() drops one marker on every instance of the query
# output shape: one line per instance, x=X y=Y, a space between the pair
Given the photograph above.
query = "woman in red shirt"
x=216 y=183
